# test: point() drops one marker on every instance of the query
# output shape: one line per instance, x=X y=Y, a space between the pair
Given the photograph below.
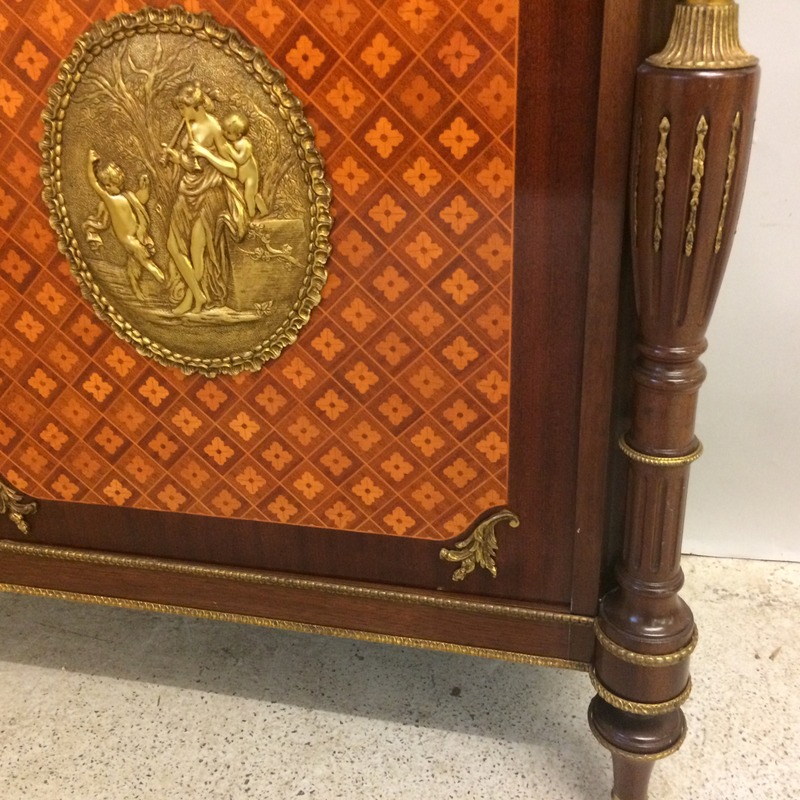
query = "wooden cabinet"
x=431 y=423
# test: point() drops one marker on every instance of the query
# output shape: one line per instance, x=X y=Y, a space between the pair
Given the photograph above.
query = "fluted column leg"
x=693 y=130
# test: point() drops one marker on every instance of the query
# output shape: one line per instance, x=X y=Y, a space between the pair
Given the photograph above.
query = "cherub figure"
x=236 y=160
x=239 y=149
x=127 y=216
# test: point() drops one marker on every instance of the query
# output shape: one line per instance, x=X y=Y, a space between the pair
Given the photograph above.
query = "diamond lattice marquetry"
x=390 y=414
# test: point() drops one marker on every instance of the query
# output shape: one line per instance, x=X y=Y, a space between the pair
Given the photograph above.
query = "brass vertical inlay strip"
x=662 y=157
x=698 y=171
x=733 y=155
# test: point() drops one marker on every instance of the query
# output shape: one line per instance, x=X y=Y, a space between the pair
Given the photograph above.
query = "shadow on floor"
x=543 y=708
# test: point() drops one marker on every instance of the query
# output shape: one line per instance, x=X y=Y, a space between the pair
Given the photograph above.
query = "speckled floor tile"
x=110 y=705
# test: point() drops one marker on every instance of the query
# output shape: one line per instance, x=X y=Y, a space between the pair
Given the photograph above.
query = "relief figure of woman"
x=203 y=197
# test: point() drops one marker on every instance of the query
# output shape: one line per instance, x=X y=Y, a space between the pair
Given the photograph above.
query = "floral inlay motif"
x=391 y=415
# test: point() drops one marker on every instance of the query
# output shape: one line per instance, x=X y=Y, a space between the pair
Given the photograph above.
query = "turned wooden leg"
x=694 y=119
x=636 y=742
x=631 y=778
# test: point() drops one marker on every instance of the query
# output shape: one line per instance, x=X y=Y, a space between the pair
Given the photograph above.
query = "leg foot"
x=635 y=742
x=631 y=778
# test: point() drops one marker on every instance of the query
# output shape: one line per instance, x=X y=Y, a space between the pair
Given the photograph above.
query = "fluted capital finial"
x=705 y=35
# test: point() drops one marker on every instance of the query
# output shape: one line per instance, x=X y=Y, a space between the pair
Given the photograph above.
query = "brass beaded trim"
x=640 y=659
x=297 y=627
x=642 y=709
x=267 y=579
x=659 y=461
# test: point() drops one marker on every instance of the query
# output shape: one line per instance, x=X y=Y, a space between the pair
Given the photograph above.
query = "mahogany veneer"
x=600 y=350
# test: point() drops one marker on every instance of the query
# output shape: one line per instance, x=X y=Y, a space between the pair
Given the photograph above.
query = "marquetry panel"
x=390 y=414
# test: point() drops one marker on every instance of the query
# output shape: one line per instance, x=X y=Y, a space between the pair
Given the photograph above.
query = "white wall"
x=744 y=498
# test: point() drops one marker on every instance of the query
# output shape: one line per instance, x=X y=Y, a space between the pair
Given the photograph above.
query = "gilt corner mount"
x=16 y=507
x=186 y=190
x=479 y=549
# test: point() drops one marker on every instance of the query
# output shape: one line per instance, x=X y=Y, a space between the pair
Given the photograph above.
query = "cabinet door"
x=459 y=363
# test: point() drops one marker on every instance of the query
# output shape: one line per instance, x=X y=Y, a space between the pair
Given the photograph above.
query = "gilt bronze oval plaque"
x=186 y=190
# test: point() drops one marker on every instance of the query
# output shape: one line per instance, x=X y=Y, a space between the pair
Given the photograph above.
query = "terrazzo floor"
x=122 y=705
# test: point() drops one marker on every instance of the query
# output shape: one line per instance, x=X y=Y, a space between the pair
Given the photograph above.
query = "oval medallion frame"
x=180 y=239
